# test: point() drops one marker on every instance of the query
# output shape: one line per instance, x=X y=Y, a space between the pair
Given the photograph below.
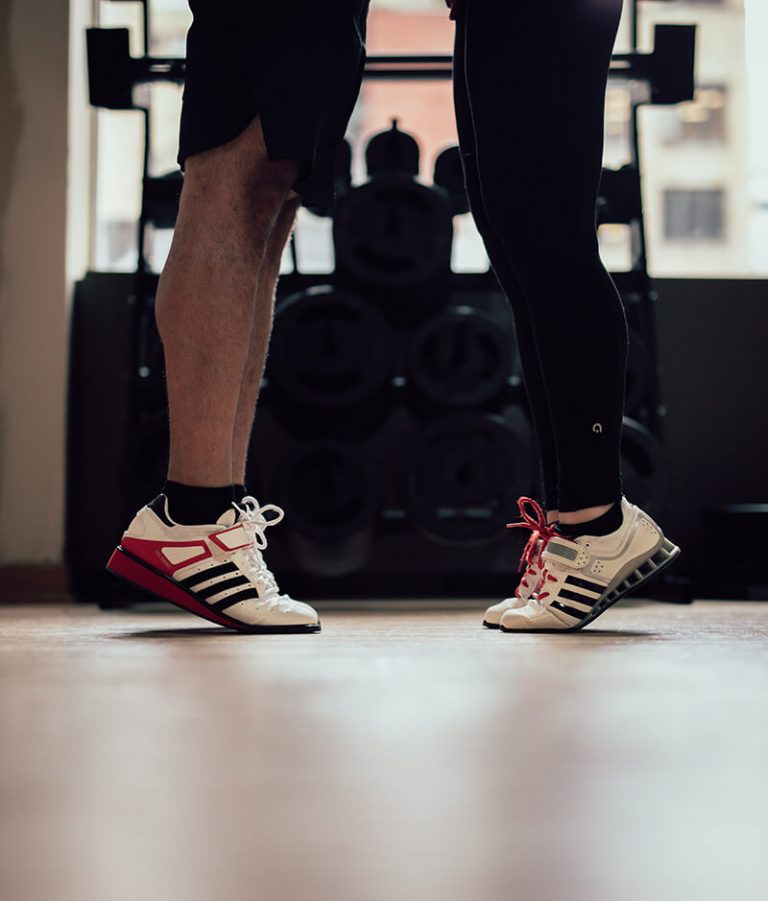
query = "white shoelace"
x=255 y=523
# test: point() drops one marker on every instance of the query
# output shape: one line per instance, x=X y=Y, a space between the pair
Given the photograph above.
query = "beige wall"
x=34 y=82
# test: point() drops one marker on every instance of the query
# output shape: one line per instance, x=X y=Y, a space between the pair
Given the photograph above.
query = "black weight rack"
x=667 y=76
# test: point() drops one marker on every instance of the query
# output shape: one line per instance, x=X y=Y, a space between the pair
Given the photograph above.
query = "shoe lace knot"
x=255 y=523
x=533 y=518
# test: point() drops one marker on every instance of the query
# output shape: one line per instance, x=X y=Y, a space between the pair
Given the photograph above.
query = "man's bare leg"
x=187 y=545
x=206 y=298
x=260 y=334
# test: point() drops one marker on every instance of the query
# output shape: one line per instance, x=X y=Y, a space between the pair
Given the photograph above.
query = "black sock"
x=239 y=491
x=602 y=525
x=191 y=505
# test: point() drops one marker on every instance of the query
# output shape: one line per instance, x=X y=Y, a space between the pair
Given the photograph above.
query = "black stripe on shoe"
x=571 y=611
x=223 y=585
x=575 y=596
x=585 y=584
x=204 y=575
x=247 y=594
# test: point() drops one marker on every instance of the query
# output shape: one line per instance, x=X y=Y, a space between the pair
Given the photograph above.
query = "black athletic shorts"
x=295 y=63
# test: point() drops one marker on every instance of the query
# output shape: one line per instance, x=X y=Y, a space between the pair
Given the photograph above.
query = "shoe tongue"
x=227 y=518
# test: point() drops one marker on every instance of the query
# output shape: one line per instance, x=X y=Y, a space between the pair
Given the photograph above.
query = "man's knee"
x=290 y=208
x=281 y=231
x=241 y=169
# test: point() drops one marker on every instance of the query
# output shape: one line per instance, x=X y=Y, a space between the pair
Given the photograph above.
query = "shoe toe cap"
x=281 y=612
x=494 y=614
x=287 y=612
x=516 y=620
x=529 y=617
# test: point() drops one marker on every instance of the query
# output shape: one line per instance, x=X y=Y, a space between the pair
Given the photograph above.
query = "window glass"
x=694 y=215
x=120 y=142
x=702 y=159
x=705 y=163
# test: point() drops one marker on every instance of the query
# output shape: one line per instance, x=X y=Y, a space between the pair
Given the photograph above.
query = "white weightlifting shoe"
x=530 y=561
x=585 y=576
x=215 y=571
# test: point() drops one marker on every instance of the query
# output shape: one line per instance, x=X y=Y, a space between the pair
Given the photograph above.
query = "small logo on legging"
x=597 y=427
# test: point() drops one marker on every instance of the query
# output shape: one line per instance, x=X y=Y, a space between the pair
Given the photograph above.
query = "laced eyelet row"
x=255 y=523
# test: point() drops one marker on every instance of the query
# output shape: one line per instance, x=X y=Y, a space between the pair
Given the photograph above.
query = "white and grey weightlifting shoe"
x=585 y=576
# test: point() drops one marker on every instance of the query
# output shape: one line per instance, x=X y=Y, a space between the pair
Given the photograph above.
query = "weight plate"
x=330 y=349
x=461 y=357
x=393 y=232
x=464 y=475
x=328 y=491
x=449 y=175
x=644 y=468
x=640 y=374
x=392 y=151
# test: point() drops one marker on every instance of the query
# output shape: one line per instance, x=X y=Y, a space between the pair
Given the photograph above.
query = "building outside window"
x=694 y=215
x=705 y=163
x=702 y=119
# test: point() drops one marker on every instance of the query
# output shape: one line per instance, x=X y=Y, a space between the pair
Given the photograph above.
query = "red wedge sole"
x=120 y=564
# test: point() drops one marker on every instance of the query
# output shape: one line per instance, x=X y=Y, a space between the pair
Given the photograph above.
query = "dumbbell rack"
x=113 y=73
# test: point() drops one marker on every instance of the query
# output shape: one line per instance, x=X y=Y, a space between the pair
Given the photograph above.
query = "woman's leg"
x=536 y=76
x=529 y=357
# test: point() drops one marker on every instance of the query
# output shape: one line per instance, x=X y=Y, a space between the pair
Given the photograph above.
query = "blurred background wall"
x=34 y=80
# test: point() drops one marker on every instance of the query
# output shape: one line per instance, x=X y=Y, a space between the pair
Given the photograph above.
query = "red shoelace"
x=536 y=521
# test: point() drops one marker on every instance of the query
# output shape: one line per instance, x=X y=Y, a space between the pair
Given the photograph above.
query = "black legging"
x=529 y=87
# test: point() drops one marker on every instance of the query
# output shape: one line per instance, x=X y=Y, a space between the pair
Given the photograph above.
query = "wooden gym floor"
x=396 y=756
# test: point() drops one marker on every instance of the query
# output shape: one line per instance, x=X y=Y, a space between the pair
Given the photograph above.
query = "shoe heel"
x=136 y=573
x=665 y=554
